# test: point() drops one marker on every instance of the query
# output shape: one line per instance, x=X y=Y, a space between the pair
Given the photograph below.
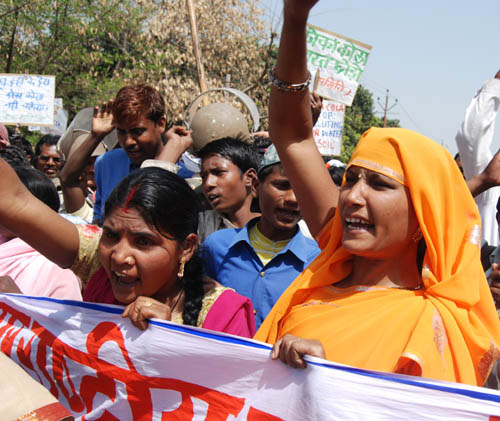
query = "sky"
x=432 y=56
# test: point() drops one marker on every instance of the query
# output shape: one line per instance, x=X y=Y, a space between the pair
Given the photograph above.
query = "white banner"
x=27 y=99
x=99 y=365
x=329 y=127
x=340 y=60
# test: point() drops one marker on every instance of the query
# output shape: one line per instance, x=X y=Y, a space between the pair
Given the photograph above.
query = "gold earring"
x=418 y=235
x=180 y=274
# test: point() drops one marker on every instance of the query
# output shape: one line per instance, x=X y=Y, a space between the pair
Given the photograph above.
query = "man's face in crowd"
x=278 y=204
x=49 y=161
x=140 y=139
x=223 y=184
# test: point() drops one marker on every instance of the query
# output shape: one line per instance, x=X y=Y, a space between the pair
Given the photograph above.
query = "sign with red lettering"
x=102 y=367
x=328 y=129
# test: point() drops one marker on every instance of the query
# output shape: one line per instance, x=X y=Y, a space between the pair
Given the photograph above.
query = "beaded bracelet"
x=288 y=87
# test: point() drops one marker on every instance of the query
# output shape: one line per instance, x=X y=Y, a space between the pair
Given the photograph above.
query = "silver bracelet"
x=288 y=87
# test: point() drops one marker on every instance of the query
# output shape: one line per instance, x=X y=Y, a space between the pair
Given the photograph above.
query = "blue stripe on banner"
x=112 y=309
x=398 y=378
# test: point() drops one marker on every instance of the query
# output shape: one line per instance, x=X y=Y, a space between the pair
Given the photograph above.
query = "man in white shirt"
x=474 y=145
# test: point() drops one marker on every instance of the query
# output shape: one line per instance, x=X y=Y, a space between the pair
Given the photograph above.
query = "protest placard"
x=329 y=127
x=60 y=121
x=341 y=62
x=27 y=99
x=100 y=366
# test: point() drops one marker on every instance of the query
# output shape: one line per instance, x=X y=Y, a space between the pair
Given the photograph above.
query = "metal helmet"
x=219 y=120
x=216 y=121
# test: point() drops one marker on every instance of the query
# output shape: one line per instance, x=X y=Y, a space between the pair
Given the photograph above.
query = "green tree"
x=94 y=47
x=90 y=46
x=359 y=118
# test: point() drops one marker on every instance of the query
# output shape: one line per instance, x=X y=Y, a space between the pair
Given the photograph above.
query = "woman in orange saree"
x=399 y=285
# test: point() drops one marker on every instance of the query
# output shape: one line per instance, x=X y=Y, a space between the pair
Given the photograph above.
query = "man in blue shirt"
x=138 y=114
x=263 y=258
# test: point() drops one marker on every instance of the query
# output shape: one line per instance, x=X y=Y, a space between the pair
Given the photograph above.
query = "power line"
x=410 y=118
x=377 y=87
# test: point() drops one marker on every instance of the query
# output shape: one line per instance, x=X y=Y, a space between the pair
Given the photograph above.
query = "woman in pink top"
x=145 y=257
x=32 y=272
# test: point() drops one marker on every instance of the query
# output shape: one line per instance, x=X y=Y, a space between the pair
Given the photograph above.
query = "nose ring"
x=128 y=261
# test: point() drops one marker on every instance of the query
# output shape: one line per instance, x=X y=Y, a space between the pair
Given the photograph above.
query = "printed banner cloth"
x=341 y=62
x=102 y=367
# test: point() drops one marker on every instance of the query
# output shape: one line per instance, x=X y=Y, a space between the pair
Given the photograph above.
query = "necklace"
x=420 y=286
x=172 y=308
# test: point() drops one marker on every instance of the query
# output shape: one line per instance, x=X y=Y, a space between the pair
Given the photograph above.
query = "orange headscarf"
x=449 y=330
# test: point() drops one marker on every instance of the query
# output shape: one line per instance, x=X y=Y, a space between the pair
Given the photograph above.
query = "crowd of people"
x=379 y=268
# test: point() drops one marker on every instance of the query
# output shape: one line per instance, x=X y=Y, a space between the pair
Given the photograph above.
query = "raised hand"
x=316 y=105
x=102 y=122
x=178 y=141
x=299 y=5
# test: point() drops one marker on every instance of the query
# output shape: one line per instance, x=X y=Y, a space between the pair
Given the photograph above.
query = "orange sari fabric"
x=449 y=330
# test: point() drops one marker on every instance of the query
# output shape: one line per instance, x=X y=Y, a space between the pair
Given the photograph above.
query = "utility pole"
x=386 y=108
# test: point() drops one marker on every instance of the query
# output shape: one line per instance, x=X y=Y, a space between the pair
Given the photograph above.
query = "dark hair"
x=166 y=202
x=134 y=101
x=48 y=140
x=14 y=156
x=22 y=143
x=241 y=154
x=39 y=185
x=261 y=143
x=337 y=173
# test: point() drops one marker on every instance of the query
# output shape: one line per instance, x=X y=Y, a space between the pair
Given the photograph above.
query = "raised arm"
x=178 y=141
x=74 y=194
x=34 y=222
x=487 y=179
x=291 y=123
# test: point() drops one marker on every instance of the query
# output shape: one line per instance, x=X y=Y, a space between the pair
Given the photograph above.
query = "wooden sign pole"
x=196 y=48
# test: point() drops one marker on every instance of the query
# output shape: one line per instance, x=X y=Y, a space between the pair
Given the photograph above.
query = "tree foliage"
x=233 y=41
x=84 y=43
x=359 y=118
x=96 y=46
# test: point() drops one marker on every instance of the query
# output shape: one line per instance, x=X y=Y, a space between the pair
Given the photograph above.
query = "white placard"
x=60 y=121
x=329 y=127
x=341 y=62
x=27 y=99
